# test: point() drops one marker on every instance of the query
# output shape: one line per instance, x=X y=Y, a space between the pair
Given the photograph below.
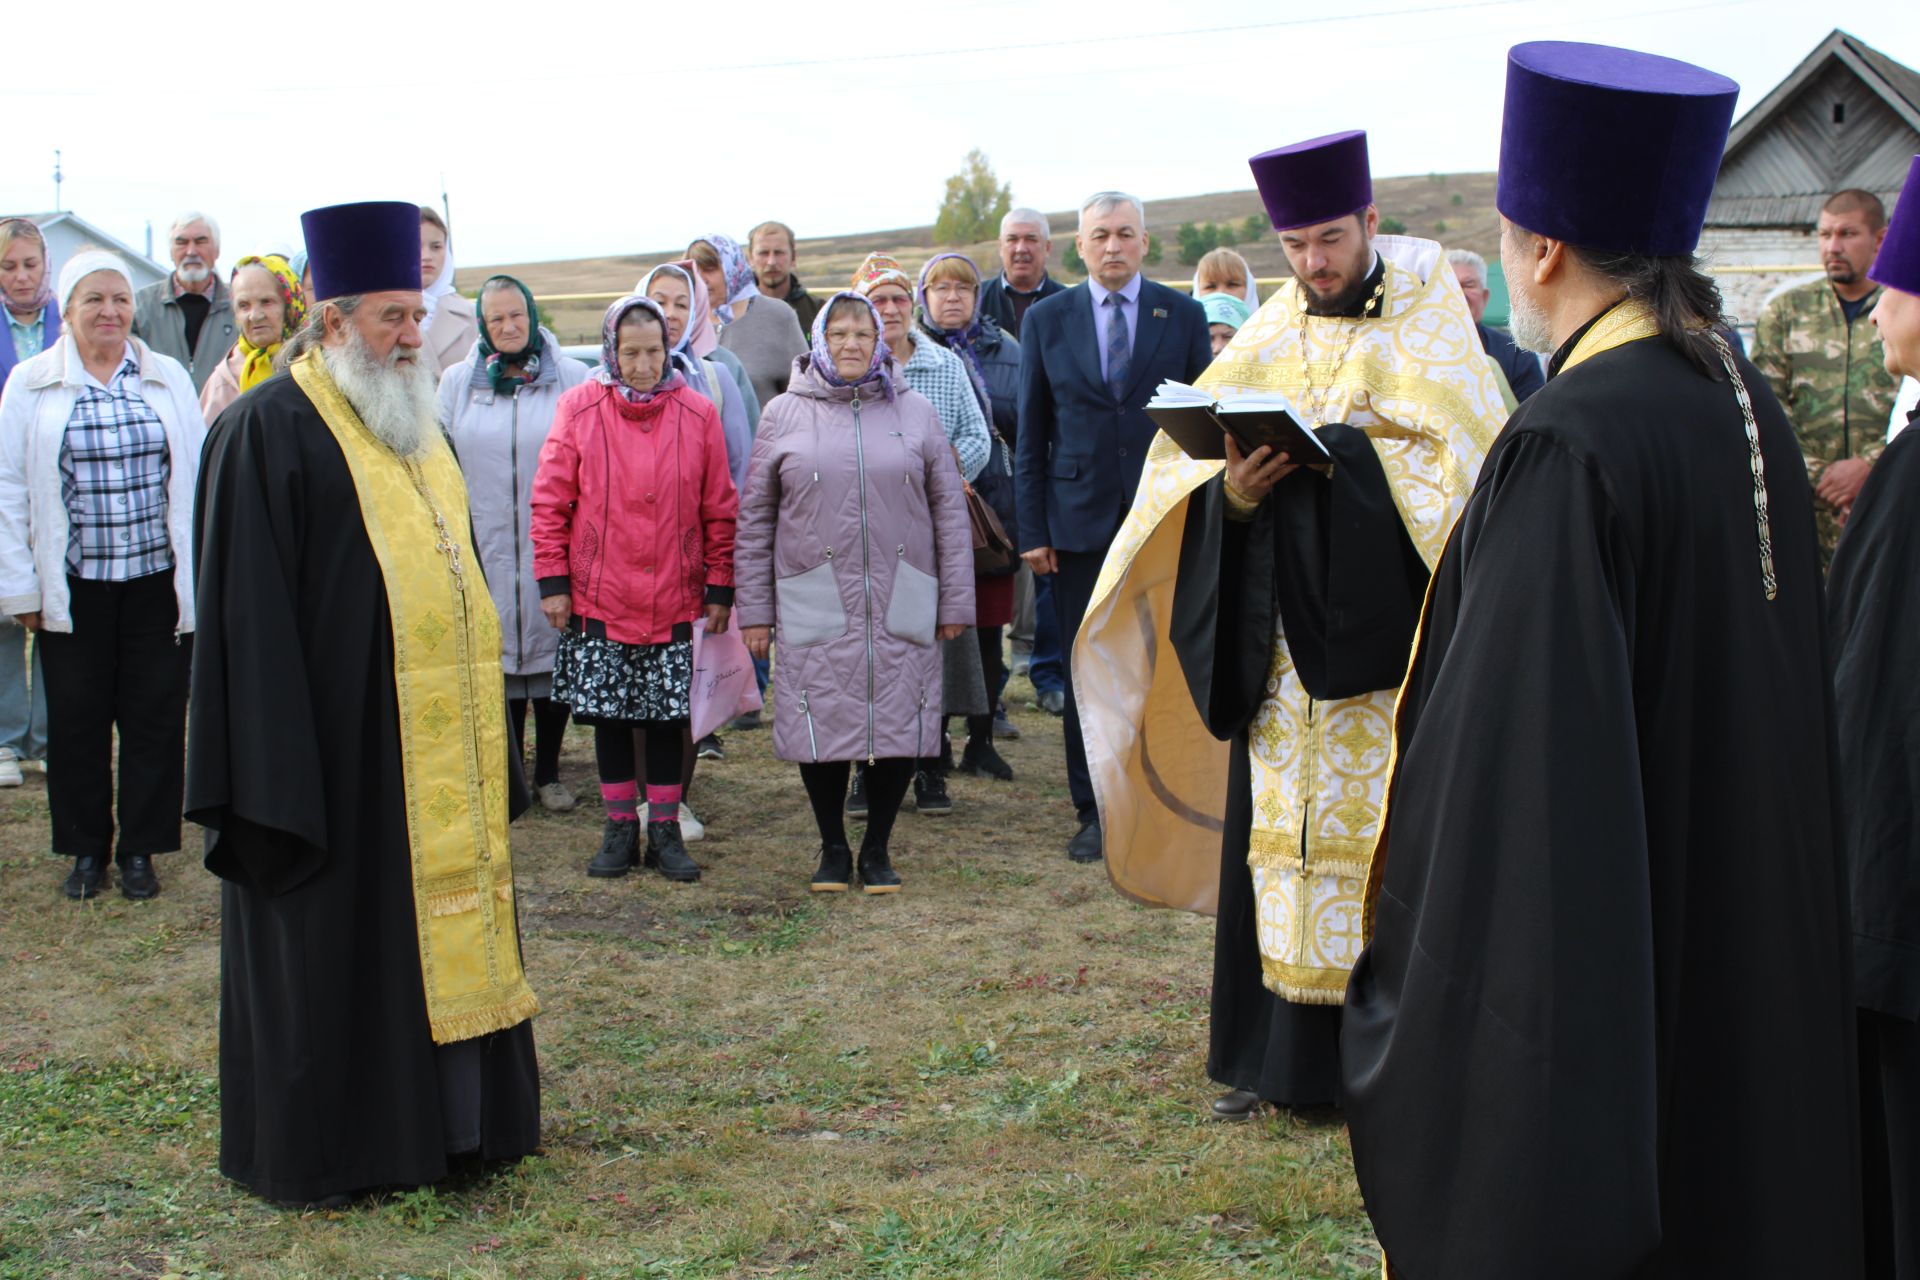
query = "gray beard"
x=1528 y=322
x=394 y=397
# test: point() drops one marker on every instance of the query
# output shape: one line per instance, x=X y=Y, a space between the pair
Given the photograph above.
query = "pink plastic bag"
x=723 y=683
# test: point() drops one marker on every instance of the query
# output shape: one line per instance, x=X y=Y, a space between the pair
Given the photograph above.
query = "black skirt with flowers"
x=605 y=681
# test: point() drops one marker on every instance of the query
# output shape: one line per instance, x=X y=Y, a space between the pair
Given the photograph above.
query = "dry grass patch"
x=997 y=1073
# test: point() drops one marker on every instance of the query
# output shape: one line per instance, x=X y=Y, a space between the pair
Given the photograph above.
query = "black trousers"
x=1890 y=1141
x=121 y=667
x=1072 y=593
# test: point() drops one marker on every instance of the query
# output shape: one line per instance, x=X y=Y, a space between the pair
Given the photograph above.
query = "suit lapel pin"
x=1159 y=313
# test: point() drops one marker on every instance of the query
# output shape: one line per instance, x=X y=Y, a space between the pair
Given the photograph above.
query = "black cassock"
x=329 y=1078
x=1873 y=601
x=1604 y=1026
x=1329 y=558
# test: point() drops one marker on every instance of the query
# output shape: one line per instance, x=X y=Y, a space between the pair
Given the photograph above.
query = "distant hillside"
x=1456 y=209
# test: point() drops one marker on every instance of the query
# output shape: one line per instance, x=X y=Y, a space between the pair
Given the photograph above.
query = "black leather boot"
x=980 y=757
x=876 y=872
x=930 y=797
x=137 y=880
x=667 y=853
x=84 y=881
x=836 y=869
x=619 y=851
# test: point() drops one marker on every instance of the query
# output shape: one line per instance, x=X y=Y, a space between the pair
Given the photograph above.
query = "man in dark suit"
x=1026 y=242
x=1520 y=368
x=1090 y=358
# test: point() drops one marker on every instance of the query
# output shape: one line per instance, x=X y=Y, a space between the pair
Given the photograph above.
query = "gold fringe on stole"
x=1418 y=384
x=453 y=736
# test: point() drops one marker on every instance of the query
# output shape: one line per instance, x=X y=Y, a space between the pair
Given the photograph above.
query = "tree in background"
x=1074 y=262
x=1197 y=242
x=1392 y=227
x=1256 y=225
x=974 y=204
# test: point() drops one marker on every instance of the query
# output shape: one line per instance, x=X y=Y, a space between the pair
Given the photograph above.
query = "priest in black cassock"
x=348 y=753
x=1873 y=601
x=1252 y=622
x=1603 y=1026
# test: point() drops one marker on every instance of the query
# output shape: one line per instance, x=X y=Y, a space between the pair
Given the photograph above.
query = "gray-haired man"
x=189 y=315
x=1025 y=244
x=1520 y=368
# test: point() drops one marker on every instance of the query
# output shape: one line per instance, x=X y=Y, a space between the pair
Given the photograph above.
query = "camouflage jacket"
x=1831 y=376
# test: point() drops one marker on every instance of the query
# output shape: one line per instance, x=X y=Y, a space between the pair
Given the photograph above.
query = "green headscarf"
x=528 y=357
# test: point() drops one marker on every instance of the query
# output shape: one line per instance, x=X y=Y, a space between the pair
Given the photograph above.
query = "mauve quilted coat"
x=854 y=546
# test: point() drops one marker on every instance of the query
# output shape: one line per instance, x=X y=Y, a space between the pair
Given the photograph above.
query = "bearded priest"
x=1252 y=621
x=348 y=753
x=1604 y=1025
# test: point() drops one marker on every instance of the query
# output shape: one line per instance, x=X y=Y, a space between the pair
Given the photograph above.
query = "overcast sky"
x=581 y=129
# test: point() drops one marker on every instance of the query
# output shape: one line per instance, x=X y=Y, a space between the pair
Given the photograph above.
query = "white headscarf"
x=442 y=286
x=82 y=265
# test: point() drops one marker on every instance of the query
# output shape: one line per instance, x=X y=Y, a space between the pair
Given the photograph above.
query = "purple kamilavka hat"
x=370 y=247
x=1608 y=148
x=1314 y=181
x=1897 y=265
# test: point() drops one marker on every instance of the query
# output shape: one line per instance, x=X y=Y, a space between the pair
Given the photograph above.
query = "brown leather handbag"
x=992 y=549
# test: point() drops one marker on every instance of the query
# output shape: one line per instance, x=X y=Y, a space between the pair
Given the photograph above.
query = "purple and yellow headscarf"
x=608 y=374
x=259 y=360
x=822 y=358
x=741 y=286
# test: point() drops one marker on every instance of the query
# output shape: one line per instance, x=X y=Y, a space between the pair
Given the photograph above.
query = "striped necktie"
x=1119 y=349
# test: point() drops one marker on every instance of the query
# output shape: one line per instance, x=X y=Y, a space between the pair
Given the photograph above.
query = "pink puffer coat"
x=854 y=546
x=633 y=510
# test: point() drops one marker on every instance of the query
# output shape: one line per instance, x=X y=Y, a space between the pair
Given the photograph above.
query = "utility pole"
x=446 y=209
x=56 y=181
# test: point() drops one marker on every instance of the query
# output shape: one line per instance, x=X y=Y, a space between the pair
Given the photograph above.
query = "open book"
x=1199 y=424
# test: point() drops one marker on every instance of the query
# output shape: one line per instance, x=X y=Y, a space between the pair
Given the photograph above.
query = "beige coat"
x=452 y=332
x=223 y=385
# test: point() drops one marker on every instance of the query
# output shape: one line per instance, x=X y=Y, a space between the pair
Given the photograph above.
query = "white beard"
x=1531 y=330
x=193 y=275
x=395 y=397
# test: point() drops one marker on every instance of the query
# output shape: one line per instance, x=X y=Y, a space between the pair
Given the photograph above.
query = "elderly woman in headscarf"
x=936 y=373
x=100 y=441
x=450 y=326
x=269 y=307
x=949 y=313
x=855 y=553
x=633 y=532
x=1225 y=315
x=682 y=295
x=763 y=332
x=497 y=405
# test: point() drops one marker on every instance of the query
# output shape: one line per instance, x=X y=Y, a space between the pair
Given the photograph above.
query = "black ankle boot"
x=876 y=872
x=619 y=851
x=981 y=758
x=930 y=796
x=836 y=869
x=88 y=875
x=667 y=853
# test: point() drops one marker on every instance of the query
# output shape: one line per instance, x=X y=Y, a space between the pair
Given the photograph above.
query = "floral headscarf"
x=879 y=269
x=822 y=359
x=741 y=286
x=496 y=361
x=608 y=374
x=698 y=339
x=960 y=341
x=258 y=366
x=1224 y=308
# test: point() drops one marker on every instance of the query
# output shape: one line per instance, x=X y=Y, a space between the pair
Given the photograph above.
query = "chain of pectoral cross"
x=444 y=541
x=1317 y=409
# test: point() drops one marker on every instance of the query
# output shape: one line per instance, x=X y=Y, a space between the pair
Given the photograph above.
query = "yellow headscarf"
x=259 y=360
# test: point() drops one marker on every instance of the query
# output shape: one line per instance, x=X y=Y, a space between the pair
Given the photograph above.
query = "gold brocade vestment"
x=453 y=737
x=1416 y=381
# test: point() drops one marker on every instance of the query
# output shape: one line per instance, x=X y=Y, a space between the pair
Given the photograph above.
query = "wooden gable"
x=1848 y=116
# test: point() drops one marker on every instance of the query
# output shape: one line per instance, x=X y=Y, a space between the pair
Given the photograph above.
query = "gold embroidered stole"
x=1626 y=321
x=453 y=732
x=1417 y=383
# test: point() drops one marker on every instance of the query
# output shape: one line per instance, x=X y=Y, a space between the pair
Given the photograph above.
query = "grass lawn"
x=996 y=1073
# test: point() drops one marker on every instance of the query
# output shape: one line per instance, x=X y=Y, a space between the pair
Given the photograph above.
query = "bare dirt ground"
x=997 y=1073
